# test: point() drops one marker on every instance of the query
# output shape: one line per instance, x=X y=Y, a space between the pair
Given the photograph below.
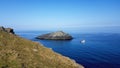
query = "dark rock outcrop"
x=59 y=35
x=2 y=28
x=8 y=30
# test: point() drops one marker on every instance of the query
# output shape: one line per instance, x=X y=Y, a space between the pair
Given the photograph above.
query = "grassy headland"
x=17 y=52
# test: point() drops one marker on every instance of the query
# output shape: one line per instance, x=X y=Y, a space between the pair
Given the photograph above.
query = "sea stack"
x=58 y=35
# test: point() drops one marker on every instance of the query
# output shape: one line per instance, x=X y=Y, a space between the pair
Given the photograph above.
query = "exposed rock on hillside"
x=59 y=35
x=9 y=30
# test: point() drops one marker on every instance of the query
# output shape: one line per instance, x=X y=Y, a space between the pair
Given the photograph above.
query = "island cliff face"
x=17 y=52
x=59 y=35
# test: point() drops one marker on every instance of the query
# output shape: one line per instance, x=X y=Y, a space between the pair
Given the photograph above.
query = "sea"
x=101 y=50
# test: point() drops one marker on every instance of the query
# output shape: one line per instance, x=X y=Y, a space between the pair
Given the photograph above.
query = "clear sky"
x=82 y=15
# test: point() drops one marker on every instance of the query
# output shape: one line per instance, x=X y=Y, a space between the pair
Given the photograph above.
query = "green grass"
x=17 y=52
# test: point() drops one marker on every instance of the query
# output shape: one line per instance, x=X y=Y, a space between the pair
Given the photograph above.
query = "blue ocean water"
x=101 y=50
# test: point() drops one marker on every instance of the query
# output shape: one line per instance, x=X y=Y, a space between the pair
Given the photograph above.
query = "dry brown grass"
x=17 y=52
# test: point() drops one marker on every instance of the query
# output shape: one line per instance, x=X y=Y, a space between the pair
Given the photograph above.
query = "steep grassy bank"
x=17 y=52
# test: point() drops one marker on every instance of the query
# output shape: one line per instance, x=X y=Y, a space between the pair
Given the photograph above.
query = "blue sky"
x=82 y=15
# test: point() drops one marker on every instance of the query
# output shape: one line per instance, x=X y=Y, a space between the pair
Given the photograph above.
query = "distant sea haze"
x=101 y=50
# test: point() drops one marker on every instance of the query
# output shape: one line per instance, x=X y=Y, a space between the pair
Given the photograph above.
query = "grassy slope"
x=16 y=52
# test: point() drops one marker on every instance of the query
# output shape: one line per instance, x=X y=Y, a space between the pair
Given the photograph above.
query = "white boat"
x=82 y=41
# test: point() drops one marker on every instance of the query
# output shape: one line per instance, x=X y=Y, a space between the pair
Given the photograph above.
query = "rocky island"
x=17 y=52
x=59 y=35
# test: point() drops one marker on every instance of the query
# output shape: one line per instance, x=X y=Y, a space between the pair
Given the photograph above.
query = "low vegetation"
x=17 y=52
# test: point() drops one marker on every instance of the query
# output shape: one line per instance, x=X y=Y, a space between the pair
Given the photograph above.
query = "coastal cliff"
x=17 y=52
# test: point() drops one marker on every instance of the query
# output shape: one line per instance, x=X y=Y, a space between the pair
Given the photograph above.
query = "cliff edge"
x=17 y=52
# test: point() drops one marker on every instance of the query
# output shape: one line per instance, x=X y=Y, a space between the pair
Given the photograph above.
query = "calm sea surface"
x=101 y=50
